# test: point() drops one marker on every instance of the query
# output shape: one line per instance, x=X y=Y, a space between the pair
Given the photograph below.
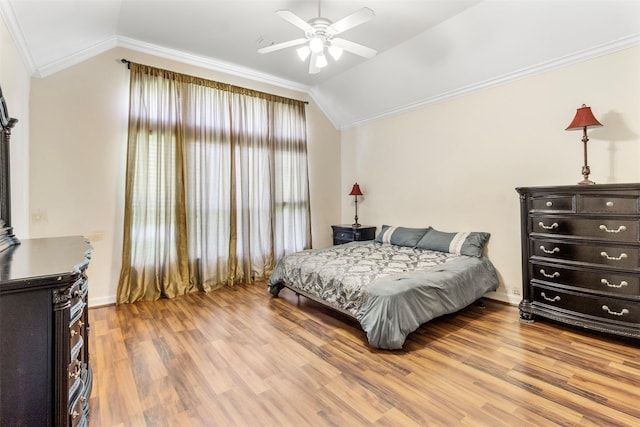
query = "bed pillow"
x=463 y=243
x=401 y=236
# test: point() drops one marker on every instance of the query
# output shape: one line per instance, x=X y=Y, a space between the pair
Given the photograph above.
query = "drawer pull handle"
x=552 y=251
x=548 y=227
x=611 y=285
x=549 y=204
x=615 y=313
x=554 y=299
x=613 y=258
x=551 y=276
x=609 y=204
x=621 y=228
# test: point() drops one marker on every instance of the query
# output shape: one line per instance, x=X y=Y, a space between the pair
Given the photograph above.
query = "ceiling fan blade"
x=352 y=47
x=294 y=19
x=282 y=45
x=358 y=17
x=313 y=69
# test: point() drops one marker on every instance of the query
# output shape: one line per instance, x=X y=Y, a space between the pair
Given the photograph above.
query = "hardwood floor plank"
x=576 y=400
x=295 y=400
x=238 y=357
x=394 y=417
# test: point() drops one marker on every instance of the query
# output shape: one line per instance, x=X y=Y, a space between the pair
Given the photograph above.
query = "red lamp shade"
x=355 y=191
x=584 y=118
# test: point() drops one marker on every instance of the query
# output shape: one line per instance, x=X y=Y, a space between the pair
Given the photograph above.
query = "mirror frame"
x=7 y=238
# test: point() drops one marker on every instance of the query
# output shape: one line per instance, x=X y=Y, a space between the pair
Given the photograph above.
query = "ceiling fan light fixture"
x=303 y=52
x=316 y=45
x=319 y=33
x=335 y=52
x=321 y=61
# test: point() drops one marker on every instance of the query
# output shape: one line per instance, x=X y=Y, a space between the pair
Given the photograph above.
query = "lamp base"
x=586 y=170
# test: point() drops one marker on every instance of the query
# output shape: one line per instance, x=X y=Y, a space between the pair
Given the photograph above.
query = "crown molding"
x=9 y=17
x=316 y=98
x=76 y=58
x=564 y=61
x=210 y=64
x=172 y=54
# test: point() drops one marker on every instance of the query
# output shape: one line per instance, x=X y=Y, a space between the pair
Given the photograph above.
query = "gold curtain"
x=216 y=185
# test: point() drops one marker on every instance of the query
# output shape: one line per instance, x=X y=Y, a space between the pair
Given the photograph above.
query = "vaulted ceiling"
x=428 y=50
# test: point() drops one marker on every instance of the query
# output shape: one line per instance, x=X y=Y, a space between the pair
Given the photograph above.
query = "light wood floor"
x=238 y=357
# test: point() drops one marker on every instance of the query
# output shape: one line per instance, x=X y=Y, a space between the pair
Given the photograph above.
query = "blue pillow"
x=463 y=243
x=401 y=236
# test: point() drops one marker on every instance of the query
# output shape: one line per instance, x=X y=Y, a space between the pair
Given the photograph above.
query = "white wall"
x=455 y=165
x=324 y=175
x=78 y=155
x=15 y=83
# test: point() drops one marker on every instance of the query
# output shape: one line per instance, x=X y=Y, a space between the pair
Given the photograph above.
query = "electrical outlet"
x=39 y=216
x=514 y=291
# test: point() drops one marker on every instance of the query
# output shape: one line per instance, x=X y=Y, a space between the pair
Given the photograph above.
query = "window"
x=217 y=186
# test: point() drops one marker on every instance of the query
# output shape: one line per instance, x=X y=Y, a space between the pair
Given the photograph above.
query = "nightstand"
x=346 y=233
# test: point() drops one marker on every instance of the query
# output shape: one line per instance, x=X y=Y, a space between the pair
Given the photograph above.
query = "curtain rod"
x=126 y=61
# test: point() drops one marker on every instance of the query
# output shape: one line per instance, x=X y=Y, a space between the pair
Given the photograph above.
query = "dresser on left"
x=45 y=375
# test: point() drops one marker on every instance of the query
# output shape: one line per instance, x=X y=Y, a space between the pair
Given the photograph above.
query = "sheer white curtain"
x=217 y=186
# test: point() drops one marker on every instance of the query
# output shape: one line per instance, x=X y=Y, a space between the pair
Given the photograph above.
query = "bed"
x=395 y=283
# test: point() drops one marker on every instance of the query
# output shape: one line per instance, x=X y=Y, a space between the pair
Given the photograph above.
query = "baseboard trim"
x=101 y=301
x=504 y=297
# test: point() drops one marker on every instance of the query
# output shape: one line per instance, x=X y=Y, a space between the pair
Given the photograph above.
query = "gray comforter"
x=391 y=290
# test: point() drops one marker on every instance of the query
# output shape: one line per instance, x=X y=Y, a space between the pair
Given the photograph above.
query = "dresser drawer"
x=553 y=203
x=616 y=230
x=612 y=309
x=344 y=235
x=603 y=282
x=610 y=255
x=614 y=204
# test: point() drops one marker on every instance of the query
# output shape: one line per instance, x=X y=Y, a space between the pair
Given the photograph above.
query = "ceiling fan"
x=319 y=35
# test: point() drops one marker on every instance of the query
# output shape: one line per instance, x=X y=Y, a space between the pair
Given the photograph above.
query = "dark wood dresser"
x=45 y=377
x=346 y=233
x=581 y=256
